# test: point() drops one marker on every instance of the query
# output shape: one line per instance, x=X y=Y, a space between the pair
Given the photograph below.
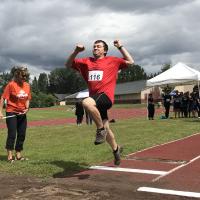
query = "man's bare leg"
x=110 y=136
x=90 y=105
x=117 y=150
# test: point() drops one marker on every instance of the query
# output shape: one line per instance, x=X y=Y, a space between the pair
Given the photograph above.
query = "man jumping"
x=100 y=73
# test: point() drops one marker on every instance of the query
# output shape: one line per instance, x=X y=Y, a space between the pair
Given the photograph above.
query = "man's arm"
x=128 y=58
x=76 y=51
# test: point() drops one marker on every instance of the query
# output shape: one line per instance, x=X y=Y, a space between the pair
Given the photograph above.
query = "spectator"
x=177 y=105
x=79 y=112
x=167 y=103
x=17 y=95
x=185 y=104
x=151 y=107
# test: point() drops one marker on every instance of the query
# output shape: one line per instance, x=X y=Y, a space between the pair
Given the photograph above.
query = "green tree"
x=41 y=100
x=4 y=79
x=165 y=67
x=132 y=73
x=34 y=85
x=34 y=103
x=43 y=83
x=152 y=75
x=62 y=80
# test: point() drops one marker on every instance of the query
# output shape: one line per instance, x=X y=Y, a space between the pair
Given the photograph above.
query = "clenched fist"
x=80 y=48
x=117 y=43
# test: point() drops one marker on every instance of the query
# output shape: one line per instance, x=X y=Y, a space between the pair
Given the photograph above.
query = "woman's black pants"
x=16 y=131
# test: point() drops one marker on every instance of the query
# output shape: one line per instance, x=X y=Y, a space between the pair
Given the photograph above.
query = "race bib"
x=95 y=75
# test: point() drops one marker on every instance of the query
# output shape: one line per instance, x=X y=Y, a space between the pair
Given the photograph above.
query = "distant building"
x=129 y=92
x=60 y=99
x=133 y=92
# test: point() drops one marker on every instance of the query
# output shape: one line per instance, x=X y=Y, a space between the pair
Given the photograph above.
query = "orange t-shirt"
x=16 y=96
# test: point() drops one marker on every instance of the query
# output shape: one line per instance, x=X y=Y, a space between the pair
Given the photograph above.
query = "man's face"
x=98 y=50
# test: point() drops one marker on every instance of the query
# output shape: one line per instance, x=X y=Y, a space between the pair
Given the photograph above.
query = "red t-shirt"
x=16 y=96
x=100 y=74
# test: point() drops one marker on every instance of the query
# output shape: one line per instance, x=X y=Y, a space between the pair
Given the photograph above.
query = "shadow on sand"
x=70 y=169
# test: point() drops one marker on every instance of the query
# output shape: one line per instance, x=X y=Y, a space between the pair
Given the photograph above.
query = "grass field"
x=58 y=151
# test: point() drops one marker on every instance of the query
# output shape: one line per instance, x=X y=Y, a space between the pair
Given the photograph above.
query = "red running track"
x=117 y=113
x=179 y=161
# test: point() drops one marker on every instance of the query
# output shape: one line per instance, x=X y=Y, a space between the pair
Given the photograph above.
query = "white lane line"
x=158 y=160
x=159 y=145
x=176 y=168
x=169 y=192
x=119 y=169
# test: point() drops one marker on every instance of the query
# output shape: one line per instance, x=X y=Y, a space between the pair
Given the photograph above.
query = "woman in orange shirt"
x=17 y=95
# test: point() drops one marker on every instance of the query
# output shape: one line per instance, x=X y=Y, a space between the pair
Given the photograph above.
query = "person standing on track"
x=100 y=73
x=17 y=95
x=151 y=107
x=167 y=103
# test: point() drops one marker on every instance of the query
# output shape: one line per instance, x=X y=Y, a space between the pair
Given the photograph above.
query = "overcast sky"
x=42 y=33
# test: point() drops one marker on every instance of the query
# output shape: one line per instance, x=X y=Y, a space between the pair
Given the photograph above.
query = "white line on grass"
x=169 y=192
x=119 y=169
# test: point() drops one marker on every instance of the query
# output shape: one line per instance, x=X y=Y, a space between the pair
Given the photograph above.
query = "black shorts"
x=103 y=104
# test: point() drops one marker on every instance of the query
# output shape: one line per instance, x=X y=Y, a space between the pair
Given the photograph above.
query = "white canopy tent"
x=82 y=94
x=177 y=75
x=78 y=95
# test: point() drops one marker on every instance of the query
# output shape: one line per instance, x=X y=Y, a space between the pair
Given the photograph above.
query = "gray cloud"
x=140 y=6
x=42 y=33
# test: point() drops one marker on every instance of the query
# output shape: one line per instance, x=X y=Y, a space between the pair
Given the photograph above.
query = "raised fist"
x=117 y=43
x=80 y=48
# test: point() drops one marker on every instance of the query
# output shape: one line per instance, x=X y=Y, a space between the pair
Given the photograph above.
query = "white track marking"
x=162 y=144
x=176 y=168
x=169 y=192
x=119 y=169
x=159 y=160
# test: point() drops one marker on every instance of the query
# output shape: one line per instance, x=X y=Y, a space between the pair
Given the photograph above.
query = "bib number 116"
x=95 y=75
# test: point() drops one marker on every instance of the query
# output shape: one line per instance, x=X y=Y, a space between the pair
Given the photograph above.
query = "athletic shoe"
x=117 y=159
x=100 y=136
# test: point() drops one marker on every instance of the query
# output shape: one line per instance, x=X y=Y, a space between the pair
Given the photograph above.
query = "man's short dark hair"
x=104 y=45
